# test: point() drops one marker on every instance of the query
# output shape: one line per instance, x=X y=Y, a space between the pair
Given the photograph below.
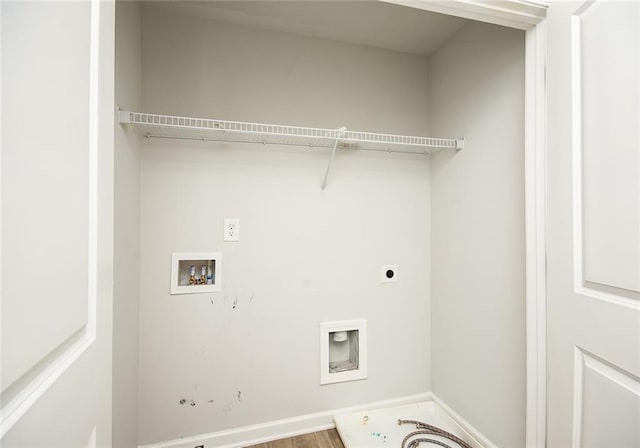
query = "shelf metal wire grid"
x=205 y=129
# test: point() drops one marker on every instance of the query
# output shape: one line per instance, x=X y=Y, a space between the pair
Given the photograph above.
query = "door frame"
x=529 y=16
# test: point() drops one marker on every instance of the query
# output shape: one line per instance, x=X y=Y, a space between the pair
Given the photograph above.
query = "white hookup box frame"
x=357 y=337
x=181 y=263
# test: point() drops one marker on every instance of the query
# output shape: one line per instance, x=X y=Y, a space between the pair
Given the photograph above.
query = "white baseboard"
x=288 y=427
x=473 y=432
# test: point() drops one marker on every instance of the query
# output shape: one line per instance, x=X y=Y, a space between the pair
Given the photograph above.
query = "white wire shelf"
x=205 y=129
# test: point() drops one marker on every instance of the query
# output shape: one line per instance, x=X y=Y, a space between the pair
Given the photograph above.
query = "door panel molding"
x=596 y=290
x=584 y=361
x=23 y=399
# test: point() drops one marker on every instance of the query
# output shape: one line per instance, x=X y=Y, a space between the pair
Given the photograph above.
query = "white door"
x=56 y=243
x=593 y=224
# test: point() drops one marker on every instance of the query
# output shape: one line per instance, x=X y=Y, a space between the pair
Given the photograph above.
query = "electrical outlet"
x=389 y=273
x=231 y=229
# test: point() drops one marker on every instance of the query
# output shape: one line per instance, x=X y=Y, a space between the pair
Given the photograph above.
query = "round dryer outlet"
x=389 y=273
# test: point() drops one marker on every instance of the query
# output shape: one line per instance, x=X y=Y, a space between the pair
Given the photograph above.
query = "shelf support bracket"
x=124 y=117
x=339 y=133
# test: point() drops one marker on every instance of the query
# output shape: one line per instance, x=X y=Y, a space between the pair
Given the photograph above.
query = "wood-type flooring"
x=322 y=439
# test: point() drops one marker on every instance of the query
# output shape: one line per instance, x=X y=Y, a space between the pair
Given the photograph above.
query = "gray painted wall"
x=305 y=255
x=478 y=287
x=126 y=293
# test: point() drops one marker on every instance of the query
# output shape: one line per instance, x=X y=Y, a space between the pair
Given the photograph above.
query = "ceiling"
x=372 y=23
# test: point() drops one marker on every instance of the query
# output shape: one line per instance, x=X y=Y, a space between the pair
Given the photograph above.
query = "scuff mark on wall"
x=184 y=401
x=233 y=402
x=235 y=302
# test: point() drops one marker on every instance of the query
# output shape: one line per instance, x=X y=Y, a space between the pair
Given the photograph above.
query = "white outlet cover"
x=389 y=273
x=231 y=229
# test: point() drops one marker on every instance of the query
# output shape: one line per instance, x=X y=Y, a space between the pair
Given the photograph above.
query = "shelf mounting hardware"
x=339 y=133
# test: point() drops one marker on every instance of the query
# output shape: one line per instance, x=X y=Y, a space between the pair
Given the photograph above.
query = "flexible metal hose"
x=426 y=429
x=414 y=443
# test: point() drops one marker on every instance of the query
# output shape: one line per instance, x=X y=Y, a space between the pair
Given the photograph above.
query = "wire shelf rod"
x=210 y=130
x=299 y=145
x=276 y=132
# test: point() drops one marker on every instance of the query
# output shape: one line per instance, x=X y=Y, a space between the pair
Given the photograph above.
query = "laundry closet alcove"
x=190 y=369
